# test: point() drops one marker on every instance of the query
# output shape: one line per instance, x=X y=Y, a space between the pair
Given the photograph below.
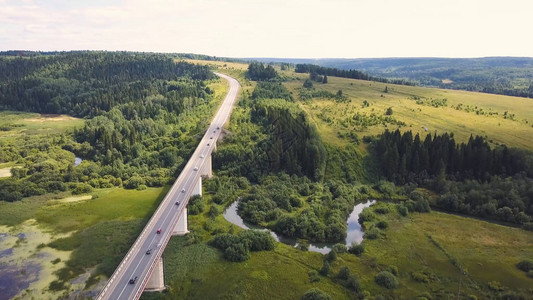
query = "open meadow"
x=501 y=119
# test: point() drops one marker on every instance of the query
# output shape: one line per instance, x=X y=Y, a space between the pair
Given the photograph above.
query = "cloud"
x=285 y=28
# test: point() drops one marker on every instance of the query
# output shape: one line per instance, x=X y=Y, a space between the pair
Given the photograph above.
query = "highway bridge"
x=142 y=267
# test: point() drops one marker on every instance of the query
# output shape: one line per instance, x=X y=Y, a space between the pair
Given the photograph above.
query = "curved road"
x=137 y=263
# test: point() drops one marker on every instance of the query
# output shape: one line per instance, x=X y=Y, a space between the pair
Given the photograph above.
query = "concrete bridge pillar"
x=207 y=170
x=198 y=188
x=181 y=226
x=156 y=282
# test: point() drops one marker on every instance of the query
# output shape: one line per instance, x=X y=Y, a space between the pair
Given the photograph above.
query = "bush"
x=313 y=276
x=383 y=210
x=382 y=224
x=394 y=270
x=357 y=249
x=525 y=265
x=372 y=234
x=365 y=216
x=402 y=210
x=353 y=283
x=344 y=273
x=331 y=256
x=496 y=286
x=257 y=240
x=420 y=277
x=237 y=253
x=339 y=248
x=316 y=294
x=82 y=188
x=387 y=280
x=528 y=226
x=196 y=205
x=326 y=268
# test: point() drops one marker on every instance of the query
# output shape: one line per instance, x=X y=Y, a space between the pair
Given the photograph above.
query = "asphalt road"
x=137 y=263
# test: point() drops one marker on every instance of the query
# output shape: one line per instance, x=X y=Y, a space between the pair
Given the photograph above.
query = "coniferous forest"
x=143 y=111
x=471 y=177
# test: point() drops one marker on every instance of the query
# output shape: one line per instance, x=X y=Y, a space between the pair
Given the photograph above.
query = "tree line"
x=470 y=178
x=315 y=70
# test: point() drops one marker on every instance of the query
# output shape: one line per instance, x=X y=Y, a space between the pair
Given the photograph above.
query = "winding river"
x=354 y=233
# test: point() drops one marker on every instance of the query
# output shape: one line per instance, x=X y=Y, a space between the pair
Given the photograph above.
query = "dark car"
x=177 y=203
x=133 y=280
x=149 y=251
x=218 y=127
x=159 y=231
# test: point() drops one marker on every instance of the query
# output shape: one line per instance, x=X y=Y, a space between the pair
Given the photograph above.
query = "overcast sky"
x=273 y=28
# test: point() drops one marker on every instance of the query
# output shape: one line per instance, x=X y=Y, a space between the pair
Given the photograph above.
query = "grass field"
x=501 y=119
x=15 y=123
x=487 y=252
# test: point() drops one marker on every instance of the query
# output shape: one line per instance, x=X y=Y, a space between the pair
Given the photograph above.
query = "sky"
x=273 y=28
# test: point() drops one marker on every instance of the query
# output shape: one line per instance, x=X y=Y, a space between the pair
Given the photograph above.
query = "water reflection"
x=354 y=232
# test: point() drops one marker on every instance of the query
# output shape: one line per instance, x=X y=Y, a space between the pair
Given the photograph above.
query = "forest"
x=353 y=74
x=143 y=112
x=469 y=177
x=86 y=84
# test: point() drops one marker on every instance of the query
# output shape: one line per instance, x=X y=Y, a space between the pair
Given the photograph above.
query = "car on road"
x=177 y=203
x=202 y=156
x=159 y=231
x=149 y=251
x=208 y=144
x=211 y=138
x=218 y=127
x=183 y=190
x=133 y=280
x=196 y=168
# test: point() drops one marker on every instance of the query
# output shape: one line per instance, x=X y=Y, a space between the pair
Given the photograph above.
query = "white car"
x=196 y=168
x=202 y=156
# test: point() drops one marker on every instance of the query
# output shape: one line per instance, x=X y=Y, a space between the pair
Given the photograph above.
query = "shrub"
x=383 y=210
x=331 y=256
x=357 y=249
x=316 y=294
x=365 y=216
x=237 y=253
x=223 y=241
x=353 y=283
x=339 y=248
x=496 y=286
x=387 y=280
x=386 y=187
x=344 y=273
x=402 y=210
x=528 y=226
x=372 y=234
x=525 y=265
x=313 y=276
x=257 y=240
x=382 y=224
x=394 y=270
x=196 y=205
x=82 y=188
x=420 y=277
x=326 y=268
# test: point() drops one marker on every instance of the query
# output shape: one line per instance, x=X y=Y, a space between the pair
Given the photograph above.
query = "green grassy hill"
x=501 y=119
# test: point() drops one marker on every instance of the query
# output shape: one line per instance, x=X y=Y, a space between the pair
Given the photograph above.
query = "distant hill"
x=499 y=75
